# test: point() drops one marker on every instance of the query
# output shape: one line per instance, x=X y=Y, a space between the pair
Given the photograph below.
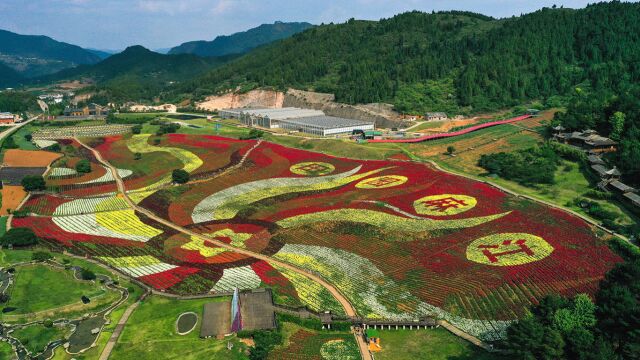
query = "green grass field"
x=40 y=288
x=151 y=333
x=6 y=352
x=36 y=337
x=436 y=344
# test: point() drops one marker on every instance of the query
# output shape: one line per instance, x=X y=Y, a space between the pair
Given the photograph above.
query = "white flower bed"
x=139 y=271
x=91 y=205
x=108 y=176
x=80 y=131
x=257 y=190
x=59 y=172
x=44 y=143
x=243 y=278
x=365 y=286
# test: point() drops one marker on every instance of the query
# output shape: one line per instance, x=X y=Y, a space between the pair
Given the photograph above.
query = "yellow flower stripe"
x=312 y=294
x=110 y=203
x=125 y=222
x=230 y=209
x=384 y=220
x=197 y=244
x=130 y=261
x=139 y=143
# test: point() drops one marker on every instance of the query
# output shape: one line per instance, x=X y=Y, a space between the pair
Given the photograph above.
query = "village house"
x=435 y=116
x=7 y=118
x=89 y=110
x=588 y=140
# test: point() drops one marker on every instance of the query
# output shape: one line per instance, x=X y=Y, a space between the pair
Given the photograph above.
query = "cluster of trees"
x=83 y=166
x=560 y=328
x=17 y=101
x=19 y=237
x=536 y=165
x=34 y=183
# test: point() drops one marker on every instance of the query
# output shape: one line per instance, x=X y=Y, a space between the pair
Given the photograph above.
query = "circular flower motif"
x=444 y=204
x=508 y=249
x=382 y=182
x=313 y=168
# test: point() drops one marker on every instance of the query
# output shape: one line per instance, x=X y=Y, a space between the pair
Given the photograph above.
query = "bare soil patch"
x=29 y=158
x=12 y=196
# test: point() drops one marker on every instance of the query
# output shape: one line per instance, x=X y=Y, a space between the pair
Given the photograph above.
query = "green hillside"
x=34 y=56
x=448 y=61
x=138 y=73
x=241 y=42
x=8 y=76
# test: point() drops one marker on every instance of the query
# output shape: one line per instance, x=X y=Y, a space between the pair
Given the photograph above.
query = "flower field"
x=399 y=239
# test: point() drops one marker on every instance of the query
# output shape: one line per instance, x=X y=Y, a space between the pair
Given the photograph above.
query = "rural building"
x=304 y=120
x=325 y=125
x=216 y=319
x=270 y=118
x=595 y=160
x=621 y=187
x=633 y=197
x=89 y=110
x=7 y=118
x=589 y=140
x=52 y=98
x=435 y=116
x=605 y=173
x=230 y=113
x=256 y=313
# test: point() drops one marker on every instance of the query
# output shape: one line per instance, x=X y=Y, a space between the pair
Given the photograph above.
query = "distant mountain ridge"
x=242 y=42
x=138 y=72
x=37 y=55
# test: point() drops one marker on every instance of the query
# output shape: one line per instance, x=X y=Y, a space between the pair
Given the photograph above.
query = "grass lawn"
x=93 y=353
x=10 y=257
x=151 y=333
x=6 y=351
x=36 y=337
x=436 y=344
x=22 y=143
x=40 y=287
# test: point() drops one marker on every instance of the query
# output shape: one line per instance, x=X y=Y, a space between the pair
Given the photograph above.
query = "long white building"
x=304 y=120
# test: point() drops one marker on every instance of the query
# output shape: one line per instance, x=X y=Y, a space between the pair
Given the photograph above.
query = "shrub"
x=47 y=323
x=4 y=298
x=136 y=129
x=87 y=274
x=19 y=237
x=137 y=156
x=179 y=176
x=253 y=134
x=33 y=183
x=41 y=256
x=83 y=166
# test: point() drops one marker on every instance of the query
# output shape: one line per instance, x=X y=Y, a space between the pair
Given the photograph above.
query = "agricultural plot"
x=305 y=344
x=400 y=240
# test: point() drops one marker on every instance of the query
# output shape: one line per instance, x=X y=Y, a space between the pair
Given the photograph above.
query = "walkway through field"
x=344 y=302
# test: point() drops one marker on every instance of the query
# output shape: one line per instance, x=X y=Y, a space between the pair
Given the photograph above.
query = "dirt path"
x=106 y=352
x=344 y=302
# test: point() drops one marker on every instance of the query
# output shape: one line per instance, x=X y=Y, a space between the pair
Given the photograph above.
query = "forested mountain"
x=447 y=61
x=138 y=73
x=8 y=76
x=34 y=56
x=242 y=42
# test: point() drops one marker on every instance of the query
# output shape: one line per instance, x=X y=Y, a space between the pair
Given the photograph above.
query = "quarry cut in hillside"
x=382 y=114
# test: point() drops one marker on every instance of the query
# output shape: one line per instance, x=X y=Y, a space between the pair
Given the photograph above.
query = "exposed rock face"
x=253 y=98
x=381 y=114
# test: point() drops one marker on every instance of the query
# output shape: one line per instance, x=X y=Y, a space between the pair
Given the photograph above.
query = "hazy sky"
x=115 y=24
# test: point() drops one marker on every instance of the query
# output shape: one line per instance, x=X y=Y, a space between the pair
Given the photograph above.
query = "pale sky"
x=116 y=24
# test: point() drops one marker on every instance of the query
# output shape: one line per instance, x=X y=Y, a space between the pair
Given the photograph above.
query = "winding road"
x=344 y=302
